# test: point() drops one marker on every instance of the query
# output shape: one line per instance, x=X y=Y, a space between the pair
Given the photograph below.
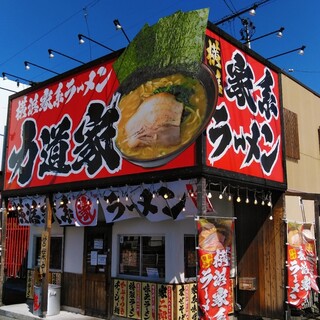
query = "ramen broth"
x=189 y=126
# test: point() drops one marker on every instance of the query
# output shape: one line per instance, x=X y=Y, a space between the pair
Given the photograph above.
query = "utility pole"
x=247 y=31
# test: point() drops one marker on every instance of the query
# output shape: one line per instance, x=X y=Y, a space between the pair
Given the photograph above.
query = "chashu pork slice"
x=156 y=122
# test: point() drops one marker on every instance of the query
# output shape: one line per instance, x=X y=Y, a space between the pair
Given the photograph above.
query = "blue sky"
x=30 y=28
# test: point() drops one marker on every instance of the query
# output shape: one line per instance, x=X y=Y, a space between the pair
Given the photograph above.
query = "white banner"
x=117 y=205
x=31 y=210
x=156 y=202
x=77 y=208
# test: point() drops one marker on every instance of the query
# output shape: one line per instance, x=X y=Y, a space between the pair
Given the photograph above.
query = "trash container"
x=37 y=300
x=54 y=292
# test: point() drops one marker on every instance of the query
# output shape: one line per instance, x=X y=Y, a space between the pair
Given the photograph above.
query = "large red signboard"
x=244 y=135
x=88 y=126
x=65 y=132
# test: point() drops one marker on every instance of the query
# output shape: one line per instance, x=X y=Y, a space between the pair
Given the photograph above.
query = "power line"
x=303 y=71
x=91 y=3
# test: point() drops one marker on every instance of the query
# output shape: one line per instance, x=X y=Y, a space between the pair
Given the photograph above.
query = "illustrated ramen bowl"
x=163 y=113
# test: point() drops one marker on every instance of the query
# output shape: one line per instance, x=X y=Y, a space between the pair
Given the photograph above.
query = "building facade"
x=129 y=227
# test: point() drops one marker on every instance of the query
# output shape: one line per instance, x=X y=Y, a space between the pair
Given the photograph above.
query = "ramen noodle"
x=171 y=123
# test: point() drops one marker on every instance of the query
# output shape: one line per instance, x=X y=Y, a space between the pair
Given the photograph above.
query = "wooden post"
x=45 y=277
x=201 y=197
x=3 y=248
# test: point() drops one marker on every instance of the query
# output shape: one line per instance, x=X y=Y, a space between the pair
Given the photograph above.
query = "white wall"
x=56 y=230
x=73 y=246
x=174 y=232
x=73 y=254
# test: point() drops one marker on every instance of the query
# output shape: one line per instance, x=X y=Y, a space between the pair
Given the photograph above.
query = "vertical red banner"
x=301 y=257
x=215 y=240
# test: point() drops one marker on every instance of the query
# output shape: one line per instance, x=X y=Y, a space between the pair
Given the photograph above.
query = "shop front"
x=149 y=214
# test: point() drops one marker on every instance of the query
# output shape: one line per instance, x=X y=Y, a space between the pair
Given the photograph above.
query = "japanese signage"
x=120 y=298
x=98 y=124
x=244 y=135
x=134 y=300
x=165 y=302
x=155 y=301
x=183 y=298
x=142 y=112
x=155 y=202
x=31 y=211
x=214 y=284
x=30 y=283
x=66 y=132
x=302 y=263
x=43 y=252
x=148 y=301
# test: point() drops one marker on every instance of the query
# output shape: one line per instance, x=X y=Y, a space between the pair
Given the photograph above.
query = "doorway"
x=97 y=271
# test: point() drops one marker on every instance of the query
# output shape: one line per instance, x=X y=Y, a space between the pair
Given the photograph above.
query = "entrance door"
x=97 y=273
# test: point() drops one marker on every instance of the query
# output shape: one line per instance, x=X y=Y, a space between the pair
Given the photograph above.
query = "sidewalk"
x=24 y=311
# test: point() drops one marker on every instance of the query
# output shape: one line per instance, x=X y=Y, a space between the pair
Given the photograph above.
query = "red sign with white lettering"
x=65 y=132
x=244 y=134
x=77 y=129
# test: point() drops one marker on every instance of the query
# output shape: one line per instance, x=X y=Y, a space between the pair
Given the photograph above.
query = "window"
x=142 y=256
x=55 y=253
x=190 y=256
x=291 y=134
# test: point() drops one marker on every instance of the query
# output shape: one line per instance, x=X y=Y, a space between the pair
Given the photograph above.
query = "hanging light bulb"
x=209 y=195
x=252 y=11
x=229 y=197
x=238 y=196
x=97 y=200
x=247 y=197
x=165 y=196
x=127 y=198
x=301 y=51
x=221 y=192
x=263 y=199
x=255 y=198
x=271 y=217
x=62 y=202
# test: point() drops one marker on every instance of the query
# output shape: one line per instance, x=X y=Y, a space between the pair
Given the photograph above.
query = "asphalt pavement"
x=24 y=311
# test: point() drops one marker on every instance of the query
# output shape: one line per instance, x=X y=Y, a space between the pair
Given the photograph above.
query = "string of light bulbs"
x=226 y=191
x=259 y=196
